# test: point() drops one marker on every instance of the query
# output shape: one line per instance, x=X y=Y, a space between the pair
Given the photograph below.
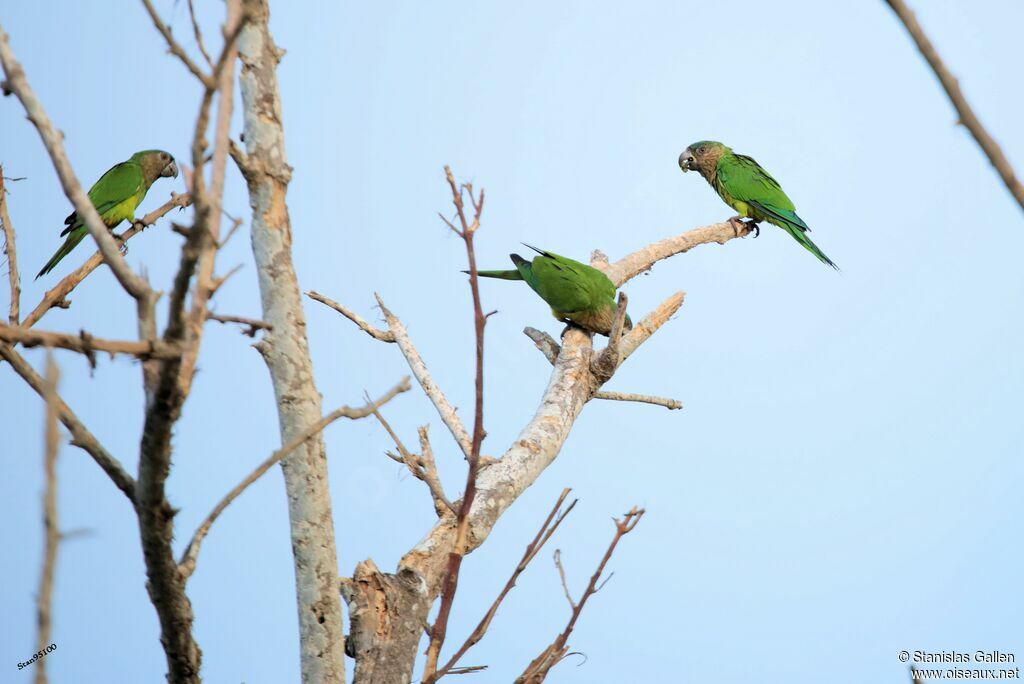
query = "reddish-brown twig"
x=551 y=523
x=966 y=113
x=451 y=579
x=537 y=670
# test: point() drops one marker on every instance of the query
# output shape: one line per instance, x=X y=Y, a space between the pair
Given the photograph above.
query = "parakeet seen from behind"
x=577 y=293
x=749 y=189
x=116 y=195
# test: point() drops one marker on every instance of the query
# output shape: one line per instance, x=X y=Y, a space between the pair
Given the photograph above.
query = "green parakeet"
x=577 y=293
x=116 y=195
x=746 y=187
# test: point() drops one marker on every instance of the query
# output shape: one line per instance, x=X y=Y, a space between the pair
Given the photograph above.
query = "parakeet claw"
x=121 y=244
x=749 y=225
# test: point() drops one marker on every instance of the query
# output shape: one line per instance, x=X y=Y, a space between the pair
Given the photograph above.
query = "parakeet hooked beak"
x=170 y=171
x=686 y=160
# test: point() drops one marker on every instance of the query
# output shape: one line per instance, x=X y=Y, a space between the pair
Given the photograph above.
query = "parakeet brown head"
x=156 y=164
x=702 y=157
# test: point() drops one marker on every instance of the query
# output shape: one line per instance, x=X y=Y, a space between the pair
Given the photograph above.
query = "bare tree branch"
x=251 y=324
x=384 y=644
x=55 y=297
x=607 y=362
x=44 y=599
x=547 y=346
x=551 y=523
x=80 y=435
x=419 y=370
x=375 y=333
x=11 y=253
x=671 y=404
x=175 y=48
x=84 y=343
x=561 y=574
x=54 y=143
x=187 y=564
x=634 y=264
x=198 y=34
x=963 y=109
x=422 y=466
x=538 y=670
x=650 y=324
x=208 y=214
x=460 y=548
x=264 y=165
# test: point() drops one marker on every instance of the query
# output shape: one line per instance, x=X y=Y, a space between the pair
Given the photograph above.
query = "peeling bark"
x=285 y=350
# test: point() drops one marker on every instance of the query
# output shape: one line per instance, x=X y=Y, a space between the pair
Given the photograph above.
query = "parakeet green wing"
x=116 y=196
x=122 y=182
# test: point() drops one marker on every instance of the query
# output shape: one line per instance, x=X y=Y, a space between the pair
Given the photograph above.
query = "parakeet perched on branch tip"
x=116 y=196
x=577 y=293
x=749 y=189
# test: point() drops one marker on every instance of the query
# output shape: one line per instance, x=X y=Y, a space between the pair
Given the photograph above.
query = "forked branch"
x=538 y=670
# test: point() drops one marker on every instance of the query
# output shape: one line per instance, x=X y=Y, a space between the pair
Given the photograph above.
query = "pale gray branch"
x=375 y=333
x=419 y=370
x=641 y=260
x=671 y=404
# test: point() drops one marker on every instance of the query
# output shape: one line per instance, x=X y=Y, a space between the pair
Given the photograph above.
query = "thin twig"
x=551 y=523
x=175 y=48
x=80 y=435
x=44 y=599
x=11 y=253
x=419 y=370
x=187 y=564
x=422 y=466
x=561 y=573
x=542 y=664
x=198 y=34
x=84 y=343
x=450 y=582
x=375 y=333
x=667 y=402
x=963 y=109
x=550 y=349
x=252 y=325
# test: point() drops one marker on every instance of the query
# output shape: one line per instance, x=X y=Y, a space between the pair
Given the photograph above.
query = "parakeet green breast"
x=746 y=187
x=116 y=196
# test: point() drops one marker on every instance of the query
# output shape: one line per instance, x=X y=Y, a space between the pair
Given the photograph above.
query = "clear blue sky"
x=845 y=480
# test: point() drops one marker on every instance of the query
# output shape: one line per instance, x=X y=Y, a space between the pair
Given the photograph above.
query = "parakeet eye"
x=702 y=149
